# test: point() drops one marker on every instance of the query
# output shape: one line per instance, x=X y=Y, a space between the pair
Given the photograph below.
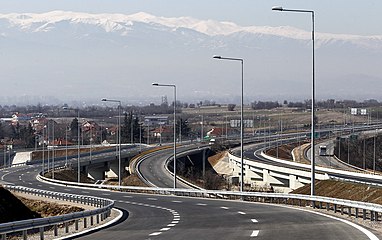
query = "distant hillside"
x=77 y=56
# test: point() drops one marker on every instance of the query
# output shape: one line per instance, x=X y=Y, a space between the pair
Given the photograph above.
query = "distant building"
x=155 y=120
x=164 y=132
x=19 y=118
x=215 y=132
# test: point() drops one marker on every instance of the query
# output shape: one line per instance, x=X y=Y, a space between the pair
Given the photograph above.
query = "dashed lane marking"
x=242 y=213
x=255 y=233
x=155 y=233
x=225 y=208
x=254 y=220
x=175 y=220
x=176 y=201
x=152 y=199
x=201 y=204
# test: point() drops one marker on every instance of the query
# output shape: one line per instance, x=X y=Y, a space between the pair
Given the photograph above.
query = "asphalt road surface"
x=170 y=217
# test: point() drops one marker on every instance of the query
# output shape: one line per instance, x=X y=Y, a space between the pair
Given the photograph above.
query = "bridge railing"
x=367 y=211
x=101 y=211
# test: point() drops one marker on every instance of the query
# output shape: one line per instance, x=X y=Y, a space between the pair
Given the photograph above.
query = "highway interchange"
x=171 y=217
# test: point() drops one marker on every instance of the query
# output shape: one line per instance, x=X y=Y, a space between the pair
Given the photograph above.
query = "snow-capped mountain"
x=77 y=55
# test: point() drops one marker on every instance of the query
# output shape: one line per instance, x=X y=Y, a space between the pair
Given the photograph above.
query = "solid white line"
x=254 y=220
x=369 y=234
x=255 y=233
x=155 y=234
x=242 y=213
x=120 y=214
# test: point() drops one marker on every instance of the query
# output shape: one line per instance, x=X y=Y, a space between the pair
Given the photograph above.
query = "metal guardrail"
x=370 y=211
x=101 y=212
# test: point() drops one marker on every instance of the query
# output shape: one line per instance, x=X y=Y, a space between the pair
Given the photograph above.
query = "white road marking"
x=52 y=187
x=85 y=192
x=153 y=199
x=255 y=233
x=175 y=221
x=106 y=194
x=242 y=213
x=39 y=185
x=155 y=234
x=225 y=208
x=254 y=220
x=201 y=204
x=369 y=234
x=176 y=201
x=67 y=189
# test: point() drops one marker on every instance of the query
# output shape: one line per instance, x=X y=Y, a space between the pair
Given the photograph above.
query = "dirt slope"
x=344 y=190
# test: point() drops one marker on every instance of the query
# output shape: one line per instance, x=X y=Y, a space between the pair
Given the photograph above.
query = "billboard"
x=236 y=123
x=363 y=111
x=353 y=111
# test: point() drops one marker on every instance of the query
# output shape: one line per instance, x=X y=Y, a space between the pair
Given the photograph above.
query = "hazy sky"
x=334 y=16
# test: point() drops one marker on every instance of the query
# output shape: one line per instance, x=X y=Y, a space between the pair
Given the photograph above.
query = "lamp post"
x=119 y=136
x=174 y=86
x=43 y=150
x=241 y=115
x=312 y=190
x=78 y=147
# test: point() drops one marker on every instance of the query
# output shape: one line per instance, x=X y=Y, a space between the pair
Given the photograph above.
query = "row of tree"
x=360 y=152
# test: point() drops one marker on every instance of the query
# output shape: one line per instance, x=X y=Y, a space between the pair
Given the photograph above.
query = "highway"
x=170 y=217
x=153 y=169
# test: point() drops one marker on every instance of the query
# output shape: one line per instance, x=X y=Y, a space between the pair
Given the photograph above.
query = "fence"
x=100 y=213
x=367 y=211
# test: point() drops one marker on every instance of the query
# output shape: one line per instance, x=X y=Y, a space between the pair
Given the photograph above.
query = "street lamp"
x=172 y=85
x=241 y=116
x=312 y=190
x=119 y=136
